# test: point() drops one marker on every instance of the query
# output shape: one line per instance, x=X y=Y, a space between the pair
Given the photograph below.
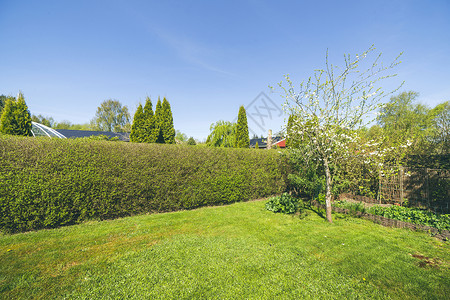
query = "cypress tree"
x=168 y=131
x=158 y=122
x=150 y=133
x=242 y=139
x=136 y=134
x=191 y=141
x=256 y=145
x=16 y=118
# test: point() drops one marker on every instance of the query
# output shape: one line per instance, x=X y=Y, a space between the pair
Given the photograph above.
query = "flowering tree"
x=331 y=106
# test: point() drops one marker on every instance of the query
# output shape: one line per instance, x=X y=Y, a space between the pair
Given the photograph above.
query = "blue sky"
x=207 y=57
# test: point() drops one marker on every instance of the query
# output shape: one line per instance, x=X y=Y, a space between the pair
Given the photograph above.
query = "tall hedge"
x=46 y=183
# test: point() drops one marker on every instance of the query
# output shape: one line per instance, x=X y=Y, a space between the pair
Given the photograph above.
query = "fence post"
x=427 y=178
x=401 y=184
x=379 y=187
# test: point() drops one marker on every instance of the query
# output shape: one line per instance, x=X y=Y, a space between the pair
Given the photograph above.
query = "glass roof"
x=38 y=129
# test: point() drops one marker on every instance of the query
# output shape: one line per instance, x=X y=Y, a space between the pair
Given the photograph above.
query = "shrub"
x=285 y=204
x=46 y=183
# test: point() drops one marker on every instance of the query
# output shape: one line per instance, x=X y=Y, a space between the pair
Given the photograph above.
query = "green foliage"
x=355 y=208
x=180 y=136
x=167 y=129
x=428 y=129
x=242 y=139
x=400 y=114
x=441 y=123
x=285 y=204
x=159 y=119
x=103 y=137
x=289 y=132
x=256 y=145
x=16 y=118
x=191 y=141
x=223 y=134
x=46 y=183
x=149 y=127
x=306 y=178
x=413 y=215
x=3 y=99
x=137 y=128
x=68 y=125
x=111 y=117
x=47 y=121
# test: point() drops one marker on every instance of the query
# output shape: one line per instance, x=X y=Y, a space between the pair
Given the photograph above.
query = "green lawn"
x=239 y=251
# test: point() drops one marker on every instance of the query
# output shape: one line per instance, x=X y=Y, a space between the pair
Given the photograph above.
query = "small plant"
x=355 y=209
x=285 y=204
x=413 y=215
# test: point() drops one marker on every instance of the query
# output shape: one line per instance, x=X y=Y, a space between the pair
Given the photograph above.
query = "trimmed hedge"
x=45 y=183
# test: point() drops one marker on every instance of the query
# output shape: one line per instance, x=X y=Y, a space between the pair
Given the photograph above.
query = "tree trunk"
x=328 y=190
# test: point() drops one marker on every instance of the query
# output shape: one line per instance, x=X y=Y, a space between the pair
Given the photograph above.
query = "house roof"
x=262 y=142
x=69 y=133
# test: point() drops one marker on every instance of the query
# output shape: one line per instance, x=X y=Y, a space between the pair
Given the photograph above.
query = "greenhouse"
x=38 y=129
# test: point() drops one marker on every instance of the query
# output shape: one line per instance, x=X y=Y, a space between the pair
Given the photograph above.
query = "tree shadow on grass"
x=319 y=211
x=310 y=205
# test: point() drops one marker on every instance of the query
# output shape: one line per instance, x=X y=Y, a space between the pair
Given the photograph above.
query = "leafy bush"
x=413 y=215
x=46 y=183
x=285 y=204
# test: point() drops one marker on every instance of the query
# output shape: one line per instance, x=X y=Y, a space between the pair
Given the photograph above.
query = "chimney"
x=269 y=140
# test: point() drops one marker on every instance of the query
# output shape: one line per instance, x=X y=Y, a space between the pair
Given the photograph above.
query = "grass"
x=229 y=252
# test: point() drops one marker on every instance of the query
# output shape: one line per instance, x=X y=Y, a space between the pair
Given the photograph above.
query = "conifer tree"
x=16 y=118
x=137 y=127
x=256 y=145
x=2 y=102
x=242 y=139
x=158 y=121
x=167 y=129
x=150 y=131
x=191 y=141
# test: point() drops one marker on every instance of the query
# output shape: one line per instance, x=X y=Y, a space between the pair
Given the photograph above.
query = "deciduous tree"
x=330 y=106
x=47 y=121
x=223 y=134
x=111 y=116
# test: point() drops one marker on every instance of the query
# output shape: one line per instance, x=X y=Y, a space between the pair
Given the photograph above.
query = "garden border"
x=444 y=235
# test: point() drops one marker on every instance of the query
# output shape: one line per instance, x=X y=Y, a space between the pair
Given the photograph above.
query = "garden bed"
x=440 y=234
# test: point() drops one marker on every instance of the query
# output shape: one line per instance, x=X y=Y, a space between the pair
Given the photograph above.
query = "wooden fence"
x=428 y=188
